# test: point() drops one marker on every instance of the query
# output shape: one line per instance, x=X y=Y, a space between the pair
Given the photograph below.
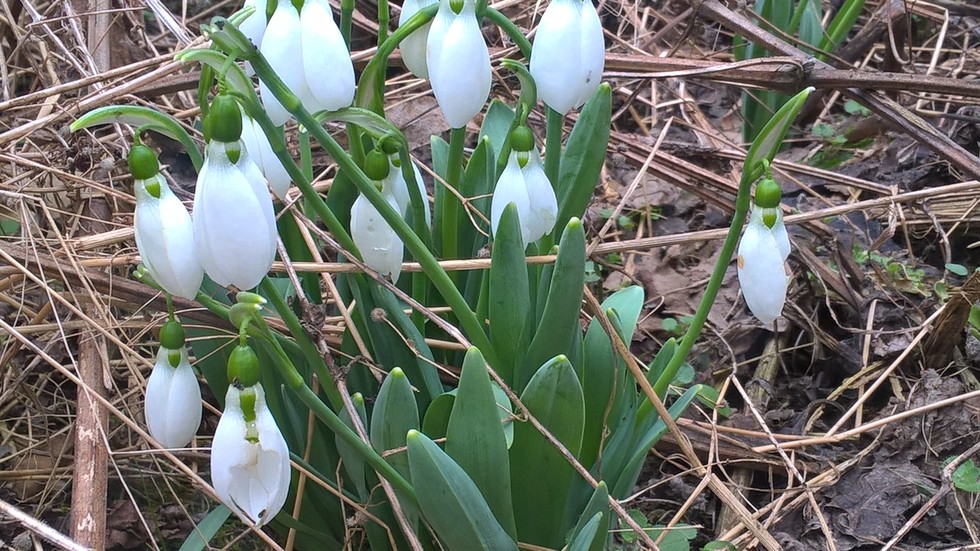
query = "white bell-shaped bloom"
x=458 y=62
x=541 y=197
x=395 y=185
x=568 y=54
x=234 y=224
x=254 y=25
x=761 y=274
x=512 y=188
x=165 y=239
x=380 y=247
x=308 y=53
x=260 y=150
x=250 y=459
x=173 y=400
x=413 y=46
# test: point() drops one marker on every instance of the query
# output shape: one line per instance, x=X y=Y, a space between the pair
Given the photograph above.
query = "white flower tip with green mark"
x=568 y=54
x=380 y=247
x=458 y=62
x=173 y=400
x=250 y=461
x=761 y=272
x=234 y=224
x=165 y=239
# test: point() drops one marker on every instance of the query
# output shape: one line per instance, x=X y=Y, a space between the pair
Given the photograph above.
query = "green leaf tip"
x=397 y=373
x=412 y=434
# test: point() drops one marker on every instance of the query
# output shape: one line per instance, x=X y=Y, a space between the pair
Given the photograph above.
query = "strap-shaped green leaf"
x=354 y=463
x=841 y=25
x=496 y=125
x=590 y=534
x=475 y=438
x=581 y=163
x=602 y=373
x=559 y=319
x=149 y=119
x=395 y=413
x=771 y=137
x=540 y=474
x=451 y=502
x=509 y=299
x=206 y=529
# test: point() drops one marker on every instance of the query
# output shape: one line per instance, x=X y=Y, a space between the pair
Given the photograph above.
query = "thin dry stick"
x=38 y=527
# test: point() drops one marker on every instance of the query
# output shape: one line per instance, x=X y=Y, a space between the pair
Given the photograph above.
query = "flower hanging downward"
x=309 y=54
x=458 y=62
x=164 y=233
x=249 y=457
x=260 y=150
x=380 y=247
x=173 y=397
x=234 y=224
x=413 y=46
x=524 y=183
x=762 y=253
x=568 y=54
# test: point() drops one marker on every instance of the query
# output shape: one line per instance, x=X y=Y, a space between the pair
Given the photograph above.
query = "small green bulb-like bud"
x=768 y=194
x=225 y=119
x=456 y=6
x=521 y=139
x=143 y=162
x=389 y=146
x=376 y=165
x=243 y=366
x=172 y=335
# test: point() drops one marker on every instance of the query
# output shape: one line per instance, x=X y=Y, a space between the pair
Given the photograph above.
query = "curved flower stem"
x=742 y=203
x=552 y=148
x=305 y=154
x=450 y=207
x=511 y=30
x=440 y=279
x=295 y=382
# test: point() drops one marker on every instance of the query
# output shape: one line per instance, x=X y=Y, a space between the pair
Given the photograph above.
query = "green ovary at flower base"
x=308 y=53
x=163 y=228
x=762 y=253
x=234 y=224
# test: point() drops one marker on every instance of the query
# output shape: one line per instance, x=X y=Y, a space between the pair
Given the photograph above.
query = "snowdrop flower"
x=395 y=185
x=164 y=233
x=254 y=25
x=249 y=457
x=308 y=53
x=458 y=62
x=260 y=150
x=524 y=183
x=568 y=54
x=173 y=397
x=413 y=46
x=378 y=243
x=761 y=255
x=234 y=225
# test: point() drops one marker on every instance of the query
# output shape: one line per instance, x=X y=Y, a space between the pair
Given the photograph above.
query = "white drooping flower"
x=309 y=54
x=413 y=46
x=249 y=457
x=395 y=185
x=234 y=224
x=254 y=25
x=530 y=190
x=260 y=150
x=173 y=399
x=381 y=248
x=164 y=232
x=458 y=63
x=761 y=273
x=568 y=54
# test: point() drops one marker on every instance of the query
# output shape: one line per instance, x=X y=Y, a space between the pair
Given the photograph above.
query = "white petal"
x=556 y=63
x=173 y=401
x=260 y=150
x=511 y=188
x=459 y=64
x=254 y=26
x=541 y=199
x=380 y=247
x=394 y=184
x=782 y=237
x=281 y=46
x=165 y=239
x=234 y=226
x=761 y=274
x=413 y=46
x=593 y=53
x=327 y=64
